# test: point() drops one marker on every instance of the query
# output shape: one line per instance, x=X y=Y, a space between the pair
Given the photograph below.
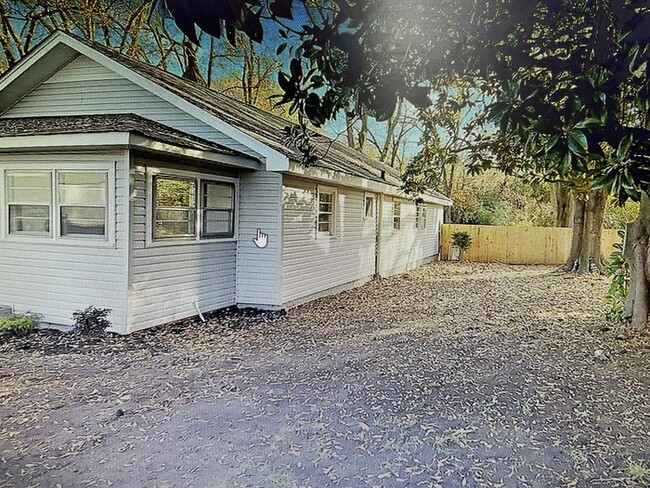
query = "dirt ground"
x=452 y=375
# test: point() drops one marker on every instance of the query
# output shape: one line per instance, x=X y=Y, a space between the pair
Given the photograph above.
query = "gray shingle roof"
x=78 y=124
x=263 y=126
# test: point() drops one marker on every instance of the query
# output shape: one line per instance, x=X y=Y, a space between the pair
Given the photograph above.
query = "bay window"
x=57 y=203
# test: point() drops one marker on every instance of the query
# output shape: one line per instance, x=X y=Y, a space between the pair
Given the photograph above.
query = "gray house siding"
x=168 y=282
x=56 y=278
x=314 y=264
x=408 y=247
x=85 y=87
x=259 y=271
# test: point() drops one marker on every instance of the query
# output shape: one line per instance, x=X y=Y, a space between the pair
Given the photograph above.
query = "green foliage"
x=91 y=321
x=462 y=240
x=19 y=324
x=618 y=216
x=492 y=198
x=617 y=268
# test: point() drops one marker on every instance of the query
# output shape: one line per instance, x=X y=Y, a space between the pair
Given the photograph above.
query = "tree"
x=126 y=26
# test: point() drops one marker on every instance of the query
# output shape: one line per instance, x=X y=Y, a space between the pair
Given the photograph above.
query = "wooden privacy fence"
x=519 y=245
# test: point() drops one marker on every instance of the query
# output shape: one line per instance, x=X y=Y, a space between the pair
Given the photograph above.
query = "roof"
x=266 y=127
x=80 y=124
x=262 y=132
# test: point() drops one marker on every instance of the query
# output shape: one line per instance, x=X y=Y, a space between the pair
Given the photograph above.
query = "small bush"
x=18 y=324
x=91 y=321
x=618 y=270
x=462 y=240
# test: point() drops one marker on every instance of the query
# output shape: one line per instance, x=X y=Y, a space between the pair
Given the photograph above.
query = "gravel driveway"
x=452 y=375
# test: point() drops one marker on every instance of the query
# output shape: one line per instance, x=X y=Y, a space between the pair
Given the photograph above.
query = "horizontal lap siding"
x=312 y=265
x=56 y=279
x=404 y=249
x=84 y=87
x=259 y=270
x=167 y=281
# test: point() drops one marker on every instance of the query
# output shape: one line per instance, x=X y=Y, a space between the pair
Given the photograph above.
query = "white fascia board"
x=22 y=143
x=275 y=161
x=147 y=144
x=124 y=140
x=338 y=178
x=25 y=63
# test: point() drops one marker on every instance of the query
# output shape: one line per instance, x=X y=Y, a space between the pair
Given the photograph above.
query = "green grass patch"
x=18 y=324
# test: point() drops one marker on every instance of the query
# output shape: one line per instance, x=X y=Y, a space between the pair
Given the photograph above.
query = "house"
x=125 y=187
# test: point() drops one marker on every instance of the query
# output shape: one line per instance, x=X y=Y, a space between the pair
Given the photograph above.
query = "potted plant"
x=460 y=242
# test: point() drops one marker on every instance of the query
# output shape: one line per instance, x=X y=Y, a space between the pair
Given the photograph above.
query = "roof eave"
x=119 y=140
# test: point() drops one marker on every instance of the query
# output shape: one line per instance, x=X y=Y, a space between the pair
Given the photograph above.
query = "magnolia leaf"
x=578 y=143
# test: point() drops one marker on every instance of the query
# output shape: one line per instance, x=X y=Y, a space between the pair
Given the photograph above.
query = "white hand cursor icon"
x=261 y=240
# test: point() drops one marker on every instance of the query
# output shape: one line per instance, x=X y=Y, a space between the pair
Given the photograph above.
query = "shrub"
x=618 y=270
x=91 y=321
x=18 y=324
x=462 y=240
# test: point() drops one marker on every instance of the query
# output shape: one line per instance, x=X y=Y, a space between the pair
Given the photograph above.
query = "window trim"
x=333 y=227
x=397 y=216
x=202 y=210
x=373 y=198
x=152 y=220
x=5 y=206
x=58 y=206
x=199 y=177
x=421 y=216
x=75 y=164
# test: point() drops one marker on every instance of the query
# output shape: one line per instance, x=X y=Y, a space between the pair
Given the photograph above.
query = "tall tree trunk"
x=573 y=260
x=591 y=258
x=585 y=255
x=636 y=252
x=562 y=204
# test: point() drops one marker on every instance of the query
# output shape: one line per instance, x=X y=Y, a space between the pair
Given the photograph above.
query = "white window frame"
x=373 y=198
x=55 y=237
x=397 y=217
x=421 y=216
x=333 y=227
x=198 y=214
x=59 y=206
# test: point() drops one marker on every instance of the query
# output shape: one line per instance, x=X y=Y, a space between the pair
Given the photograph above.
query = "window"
x=186 y=208
x=174 y=207
x=82 y=203
x=218 y=209
x=369 y=207
x=421 y=216
x=29 y=200
x=397 y=214
x=326 y=212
